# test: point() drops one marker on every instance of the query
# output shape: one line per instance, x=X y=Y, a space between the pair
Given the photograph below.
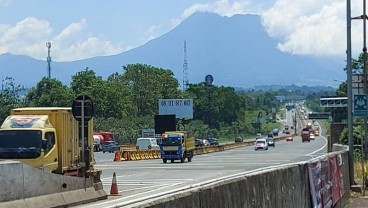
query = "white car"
x=147 y=143
x=261 y=144
x=311 y=136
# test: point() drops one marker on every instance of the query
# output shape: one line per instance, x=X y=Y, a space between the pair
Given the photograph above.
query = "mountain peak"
x=236 y=51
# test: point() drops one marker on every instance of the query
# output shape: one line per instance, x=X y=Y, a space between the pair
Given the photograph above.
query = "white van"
x=147 y=143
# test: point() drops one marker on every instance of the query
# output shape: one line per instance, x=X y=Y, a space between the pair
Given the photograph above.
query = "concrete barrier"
x=24 y=186
x=284 y=186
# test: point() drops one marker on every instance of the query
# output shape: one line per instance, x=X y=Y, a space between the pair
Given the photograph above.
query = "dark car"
x=238 y=139
x=213 y=141
x=202 y=143
x=110 y=146
x=271 y=142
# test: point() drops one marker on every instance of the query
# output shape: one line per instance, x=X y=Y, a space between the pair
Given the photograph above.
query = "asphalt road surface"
x=138 y=180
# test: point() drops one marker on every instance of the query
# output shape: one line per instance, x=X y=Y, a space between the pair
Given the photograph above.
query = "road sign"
x=182 y=108
x=360 y=105
x=319 y=115
x=88 y=109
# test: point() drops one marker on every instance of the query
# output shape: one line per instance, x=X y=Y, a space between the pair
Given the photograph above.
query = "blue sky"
x=81 y=29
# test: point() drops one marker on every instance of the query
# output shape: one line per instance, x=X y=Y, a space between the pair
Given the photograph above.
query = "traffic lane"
x=140 y=176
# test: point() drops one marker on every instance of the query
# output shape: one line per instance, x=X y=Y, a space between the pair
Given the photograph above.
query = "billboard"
x=164 y=123
x=181 y=108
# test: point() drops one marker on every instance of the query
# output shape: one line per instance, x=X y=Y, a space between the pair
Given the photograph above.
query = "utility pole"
x=364 y=124
x=350 y=92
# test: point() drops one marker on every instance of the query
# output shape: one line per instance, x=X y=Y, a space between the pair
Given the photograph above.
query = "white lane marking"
x=134 y=189
x=132 y=196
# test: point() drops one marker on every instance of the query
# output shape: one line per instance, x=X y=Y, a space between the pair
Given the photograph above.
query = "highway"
x=138 y=180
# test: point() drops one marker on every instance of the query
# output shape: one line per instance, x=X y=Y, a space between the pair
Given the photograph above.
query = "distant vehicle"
x=305 y=135
x=270 y=135
x=239 y=139
x=289 y=138
x=311 y=136
x=291 y=127
x=102 y=137
x=202 y=143
x=270 y=142
x=97 y=142
x=316 y=133
x=213 y=141
x=110 y=146
x=261 y=144
x=275 y=131
x=147 y=143
x=258 y=135
x=176 y=145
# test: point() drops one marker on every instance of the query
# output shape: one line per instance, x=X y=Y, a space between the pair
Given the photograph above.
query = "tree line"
x=126 y=102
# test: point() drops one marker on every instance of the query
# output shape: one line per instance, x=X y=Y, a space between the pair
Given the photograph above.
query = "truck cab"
x=175 y=145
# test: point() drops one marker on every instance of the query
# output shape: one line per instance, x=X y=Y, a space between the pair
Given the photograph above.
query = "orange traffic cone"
x=117 y=156
x=114 y=186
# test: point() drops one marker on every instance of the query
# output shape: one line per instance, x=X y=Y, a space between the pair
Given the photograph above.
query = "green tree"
x=88 y=83
x=9 y=97
x=147 y=85
x=50 y=93
x=119 y=97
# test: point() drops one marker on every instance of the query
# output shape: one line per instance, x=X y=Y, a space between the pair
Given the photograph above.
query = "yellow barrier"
x=128 y=152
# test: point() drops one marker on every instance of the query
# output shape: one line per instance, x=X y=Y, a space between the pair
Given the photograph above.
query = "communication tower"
x=185 y=68
x=48 y=45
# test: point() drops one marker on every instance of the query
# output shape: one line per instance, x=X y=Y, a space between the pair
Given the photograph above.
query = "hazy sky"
x=81 y=29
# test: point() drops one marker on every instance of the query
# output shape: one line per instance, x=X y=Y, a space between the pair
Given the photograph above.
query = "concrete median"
x=30 y=187
x=281 y=186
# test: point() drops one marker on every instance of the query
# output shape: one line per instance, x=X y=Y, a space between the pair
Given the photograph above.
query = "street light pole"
x=350 y=92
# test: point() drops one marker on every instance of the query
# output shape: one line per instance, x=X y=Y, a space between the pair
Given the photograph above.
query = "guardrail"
x=128 y=152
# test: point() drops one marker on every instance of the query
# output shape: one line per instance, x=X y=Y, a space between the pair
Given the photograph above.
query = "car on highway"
x=261 y=144
x=270 y=142
x=289 y=138
x=316 y=133
x=147 y=144
x=110 y=146
x=311 y=136
x=213 y=141
x=258 y=135
x=202 y=143
x=239 y=139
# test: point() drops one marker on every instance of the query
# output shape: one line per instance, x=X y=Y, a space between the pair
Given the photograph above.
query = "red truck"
x=305 y=135
x=99 y=138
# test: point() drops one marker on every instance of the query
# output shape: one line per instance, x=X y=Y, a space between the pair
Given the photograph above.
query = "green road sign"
x=360 y=105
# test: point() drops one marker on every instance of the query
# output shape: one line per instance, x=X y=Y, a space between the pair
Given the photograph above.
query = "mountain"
x=236 y=51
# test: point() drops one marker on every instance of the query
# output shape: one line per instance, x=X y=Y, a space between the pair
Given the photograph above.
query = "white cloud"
x=150 y=33
x=29 y=36
x=311 y=27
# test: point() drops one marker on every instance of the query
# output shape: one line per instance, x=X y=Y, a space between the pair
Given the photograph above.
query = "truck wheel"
x=172 y=161
x=190 y=158
x=182 y=159
x=164 y=160
x=103 y=151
